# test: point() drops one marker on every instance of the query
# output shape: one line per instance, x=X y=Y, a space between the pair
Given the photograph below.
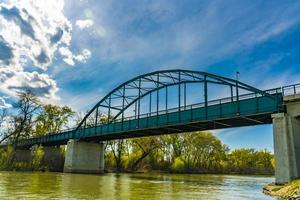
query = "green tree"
x=52 y=119
x=37 y=156
x=118 y=148
x=141 y=148
x=178 y=165
x=251 y=161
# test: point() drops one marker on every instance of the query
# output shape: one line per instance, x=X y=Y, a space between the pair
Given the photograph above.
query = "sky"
x=71 y=52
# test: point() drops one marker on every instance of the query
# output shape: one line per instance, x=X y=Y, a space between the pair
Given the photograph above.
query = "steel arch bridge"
x=171 y=101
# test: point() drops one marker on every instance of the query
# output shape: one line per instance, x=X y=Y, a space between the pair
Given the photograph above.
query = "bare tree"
x=27 y=106
x=3 y=132
x=3 y=114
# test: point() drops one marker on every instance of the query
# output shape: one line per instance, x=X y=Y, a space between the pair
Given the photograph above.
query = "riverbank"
x=289 y=191
x=187 y=172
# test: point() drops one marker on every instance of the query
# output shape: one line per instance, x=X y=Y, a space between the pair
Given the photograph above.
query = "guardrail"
x=199 y=105
x=291 y=89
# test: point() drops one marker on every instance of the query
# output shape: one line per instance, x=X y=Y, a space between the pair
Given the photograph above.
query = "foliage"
x=8 y=160
x=198 y=152
x=251 y=161
x=29 y=118
x=6 y=157
x=178 y=165
x=37 y=156
x=21 y=124
x=52 y=119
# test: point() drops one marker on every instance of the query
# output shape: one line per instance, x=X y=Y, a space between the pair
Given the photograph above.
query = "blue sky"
x=74 y=52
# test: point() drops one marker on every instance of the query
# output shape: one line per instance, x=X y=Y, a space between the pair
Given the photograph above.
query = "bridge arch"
x=132 y=91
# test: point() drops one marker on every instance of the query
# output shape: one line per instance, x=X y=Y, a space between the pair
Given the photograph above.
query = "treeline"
x=30 y=117
x=197 y=152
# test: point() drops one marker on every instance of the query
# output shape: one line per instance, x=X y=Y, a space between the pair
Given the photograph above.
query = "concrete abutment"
x=286 y=134
x=84 y=157
x=53 y=159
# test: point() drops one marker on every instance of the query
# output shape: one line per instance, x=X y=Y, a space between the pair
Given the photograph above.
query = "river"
x=38 y=185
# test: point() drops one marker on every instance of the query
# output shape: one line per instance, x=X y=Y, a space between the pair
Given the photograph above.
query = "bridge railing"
x=291 y=89
x=286 y=90
x=199 y=105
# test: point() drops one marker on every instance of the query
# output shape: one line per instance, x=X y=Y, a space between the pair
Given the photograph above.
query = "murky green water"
x=15 y=185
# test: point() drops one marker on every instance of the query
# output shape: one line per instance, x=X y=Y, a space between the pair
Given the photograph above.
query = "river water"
x=15 y=185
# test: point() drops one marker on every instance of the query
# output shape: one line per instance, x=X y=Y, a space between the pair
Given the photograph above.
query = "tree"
x=173 y=146
x=22 y=124
x=142 y=147
x=118 y=148
x=3 y=126
x=3 y=115
x=52 y=119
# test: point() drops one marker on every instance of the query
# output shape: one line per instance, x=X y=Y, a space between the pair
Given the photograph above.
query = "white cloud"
x=86 y=23
x=32 y=30
x=67 y=54
x=31 y=34
x=83 y=56
x=13 y=81
x=69 y=58
x=3 y=103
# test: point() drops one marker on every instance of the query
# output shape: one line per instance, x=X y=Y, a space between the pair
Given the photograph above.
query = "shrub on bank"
x=178 y=165
x=6 y=158
x=37 y=156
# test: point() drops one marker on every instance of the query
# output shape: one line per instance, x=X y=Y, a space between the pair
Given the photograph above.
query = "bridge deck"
x=223 y=113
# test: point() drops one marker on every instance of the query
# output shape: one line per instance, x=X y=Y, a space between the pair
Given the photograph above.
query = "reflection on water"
x=15 y=185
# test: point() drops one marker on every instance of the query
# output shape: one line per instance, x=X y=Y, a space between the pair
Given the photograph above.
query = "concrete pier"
x=53 y=159
x=23 y=155
x=286 y=133
x=84 y=157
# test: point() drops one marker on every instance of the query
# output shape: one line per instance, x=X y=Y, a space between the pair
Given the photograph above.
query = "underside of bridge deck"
x=238 y=121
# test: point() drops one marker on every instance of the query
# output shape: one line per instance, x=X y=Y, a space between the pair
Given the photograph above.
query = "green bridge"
x=224 y=113
x=163 y=102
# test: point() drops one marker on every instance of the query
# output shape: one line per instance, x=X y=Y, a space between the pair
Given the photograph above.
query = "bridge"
x=174 y=101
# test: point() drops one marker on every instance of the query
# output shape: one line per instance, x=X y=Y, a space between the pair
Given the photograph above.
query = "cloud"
x=70 y=59
x=29 y=30
x=3 y=103
x=84 y=23
x=31 y=34
x=83 y=56
x=162 y=30
x=6 y=53
x=39 y=83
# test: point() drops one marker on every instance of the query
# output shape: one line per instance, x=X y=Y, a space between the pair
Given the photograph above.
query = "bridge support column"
x=286 y=133
x=53 y=159
x=84 y=157
x=23 y=155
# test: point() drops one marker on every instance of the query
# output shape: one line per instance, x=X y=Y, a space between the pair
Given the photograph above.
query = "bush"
x=37 y=156
x=6 y=157
x=178 y=165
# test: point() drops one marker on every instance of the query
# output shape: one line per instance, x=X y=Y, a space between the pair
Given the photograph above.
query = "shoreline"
x=145 y=172
x=191 y=172
x=289 y=191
